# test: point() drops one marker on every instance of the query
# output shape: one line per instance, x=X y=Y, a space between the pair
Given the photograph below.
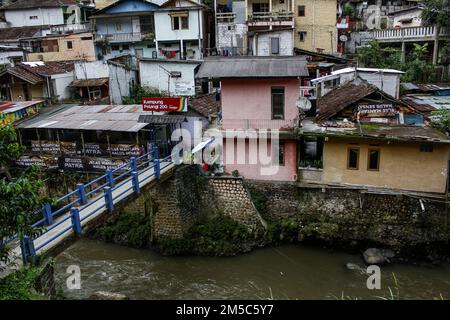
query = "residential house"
x=36 y=80
x=10 y=55
x=387 y=80
x=103 y=81
x=180 y=29
x=407 y=18
x=64 y=47
x=173 y=77
x=67 y=14
x=125 y=27
x=13 y=36
x=174 y=30
x=315 y=25
x=364 y=138
x=255 y=27
x=259 y=96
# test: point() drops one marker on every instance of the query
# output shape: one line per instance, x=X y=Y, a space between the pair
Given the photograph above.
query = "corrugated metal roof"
x=102 y=117
x=253 y=67
x=426 y=102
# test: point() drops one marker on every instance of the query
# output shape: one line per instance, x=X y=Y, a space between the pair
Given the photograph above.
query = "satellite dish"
x=303 y=104
x=343 y=38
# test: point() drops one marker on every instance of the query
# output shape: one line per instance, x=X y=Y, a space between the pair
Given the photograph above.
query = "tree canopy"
x=19 y=195
x=436 y=12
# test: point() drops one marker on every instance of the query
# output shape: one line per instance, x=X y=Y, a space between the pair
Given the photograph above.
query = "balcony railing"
x=259 y=124
x=283 y=18
x=225 y=16
x=124 y=37
x=409 y=33
x=65 y=28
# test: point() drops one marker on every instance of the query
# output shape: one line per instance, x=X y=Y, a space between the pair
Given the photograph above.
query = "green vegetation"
x=19 y=196
x=417 y=67
x=436 y=12
x=375 y=56
x=311 y=164
x=283 y=230
x=219 y=235
x=137 y=92
x=126 y=228
x=20 y=285
x=320 y=230
x=442 y=120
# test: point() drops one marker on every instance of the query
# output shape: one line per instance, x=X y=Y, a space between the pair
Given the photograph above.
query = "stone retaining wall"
x=393 y=220
x=235 y=201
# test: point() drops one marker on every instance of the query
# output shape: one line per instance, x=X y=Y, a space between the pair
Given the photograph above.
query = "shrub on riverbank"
x=20 y=285
x=217 y=236
x=126 y=228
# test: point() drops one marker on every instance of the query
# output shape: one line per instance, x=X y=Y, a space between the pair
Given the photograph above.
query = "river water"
x=286 y=272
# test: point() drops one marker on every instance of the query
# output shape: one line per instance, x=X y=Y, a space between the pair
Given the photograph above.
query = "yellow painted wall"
x=37 y=91
x=402 y=166
x=100 y=4
x=81 y=49
x=318 y=22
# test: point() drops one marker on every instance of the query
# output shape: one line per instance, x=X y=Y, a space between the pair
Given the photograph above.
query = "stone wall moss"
x=218 y=235
x=126 y=228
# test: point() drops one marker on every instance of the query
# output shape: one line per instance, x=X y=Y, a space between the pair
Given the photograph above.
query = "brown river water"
x=286 y=272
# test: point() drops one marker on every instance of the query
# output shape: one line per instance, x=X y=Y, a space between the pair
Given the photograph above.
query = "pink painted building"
x=259 y=99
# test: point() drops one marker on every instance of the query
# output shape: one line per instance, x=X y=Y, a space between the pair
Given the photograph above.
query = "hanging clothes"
x=172 y=53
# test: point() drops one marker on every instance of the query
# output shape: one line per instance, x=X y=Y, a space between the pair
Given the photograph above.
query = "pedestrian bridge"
x=72 y=212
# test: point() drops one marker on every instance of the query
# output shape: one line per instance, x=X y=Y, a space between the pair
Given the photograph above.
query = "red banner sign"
x=164 y=104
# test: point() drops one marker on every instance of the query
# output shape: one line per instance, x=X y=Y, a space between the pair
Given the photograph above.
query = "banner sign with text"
x=376 y=109
x=90 y=149
x=164 y=104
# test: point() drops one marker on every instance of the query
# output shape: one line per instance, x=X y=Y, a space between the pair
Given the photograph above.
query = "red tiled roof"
x=50 y=67
x=206 y=104
x=338 y=99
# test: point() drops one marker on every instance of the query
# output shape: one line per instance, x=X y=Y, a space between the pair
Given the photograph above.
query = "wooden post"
x=82 y=142
x=109 y=144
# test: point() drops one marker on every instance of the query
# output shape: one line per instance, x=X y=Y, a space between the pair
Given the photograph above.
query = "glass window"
x=260 y=7
x=277 y=103
x=373 y=161
x=281 y=153
x=118 y=26
x=184 y=22
x=426 y=148
x=146 y=24
x=353 y=158
x=69 y=45
x=302 y=36
x=274 y=45
x=301 y=11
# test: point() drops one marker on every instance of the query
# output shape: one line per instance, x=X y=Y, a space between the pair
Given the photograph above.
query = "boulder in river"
x=373 y=256
x=105 y=295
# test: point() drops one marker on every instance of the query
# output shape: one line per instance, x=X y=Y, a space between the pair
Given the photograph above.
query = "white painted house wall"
x=387 y=82
x=91 y=70
x=153 y=75
x=120 y=81
x=6 y=56
x=415 y=15
x=163 y=25
x=61 y=84
x=45 y=16
x=286 y=43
